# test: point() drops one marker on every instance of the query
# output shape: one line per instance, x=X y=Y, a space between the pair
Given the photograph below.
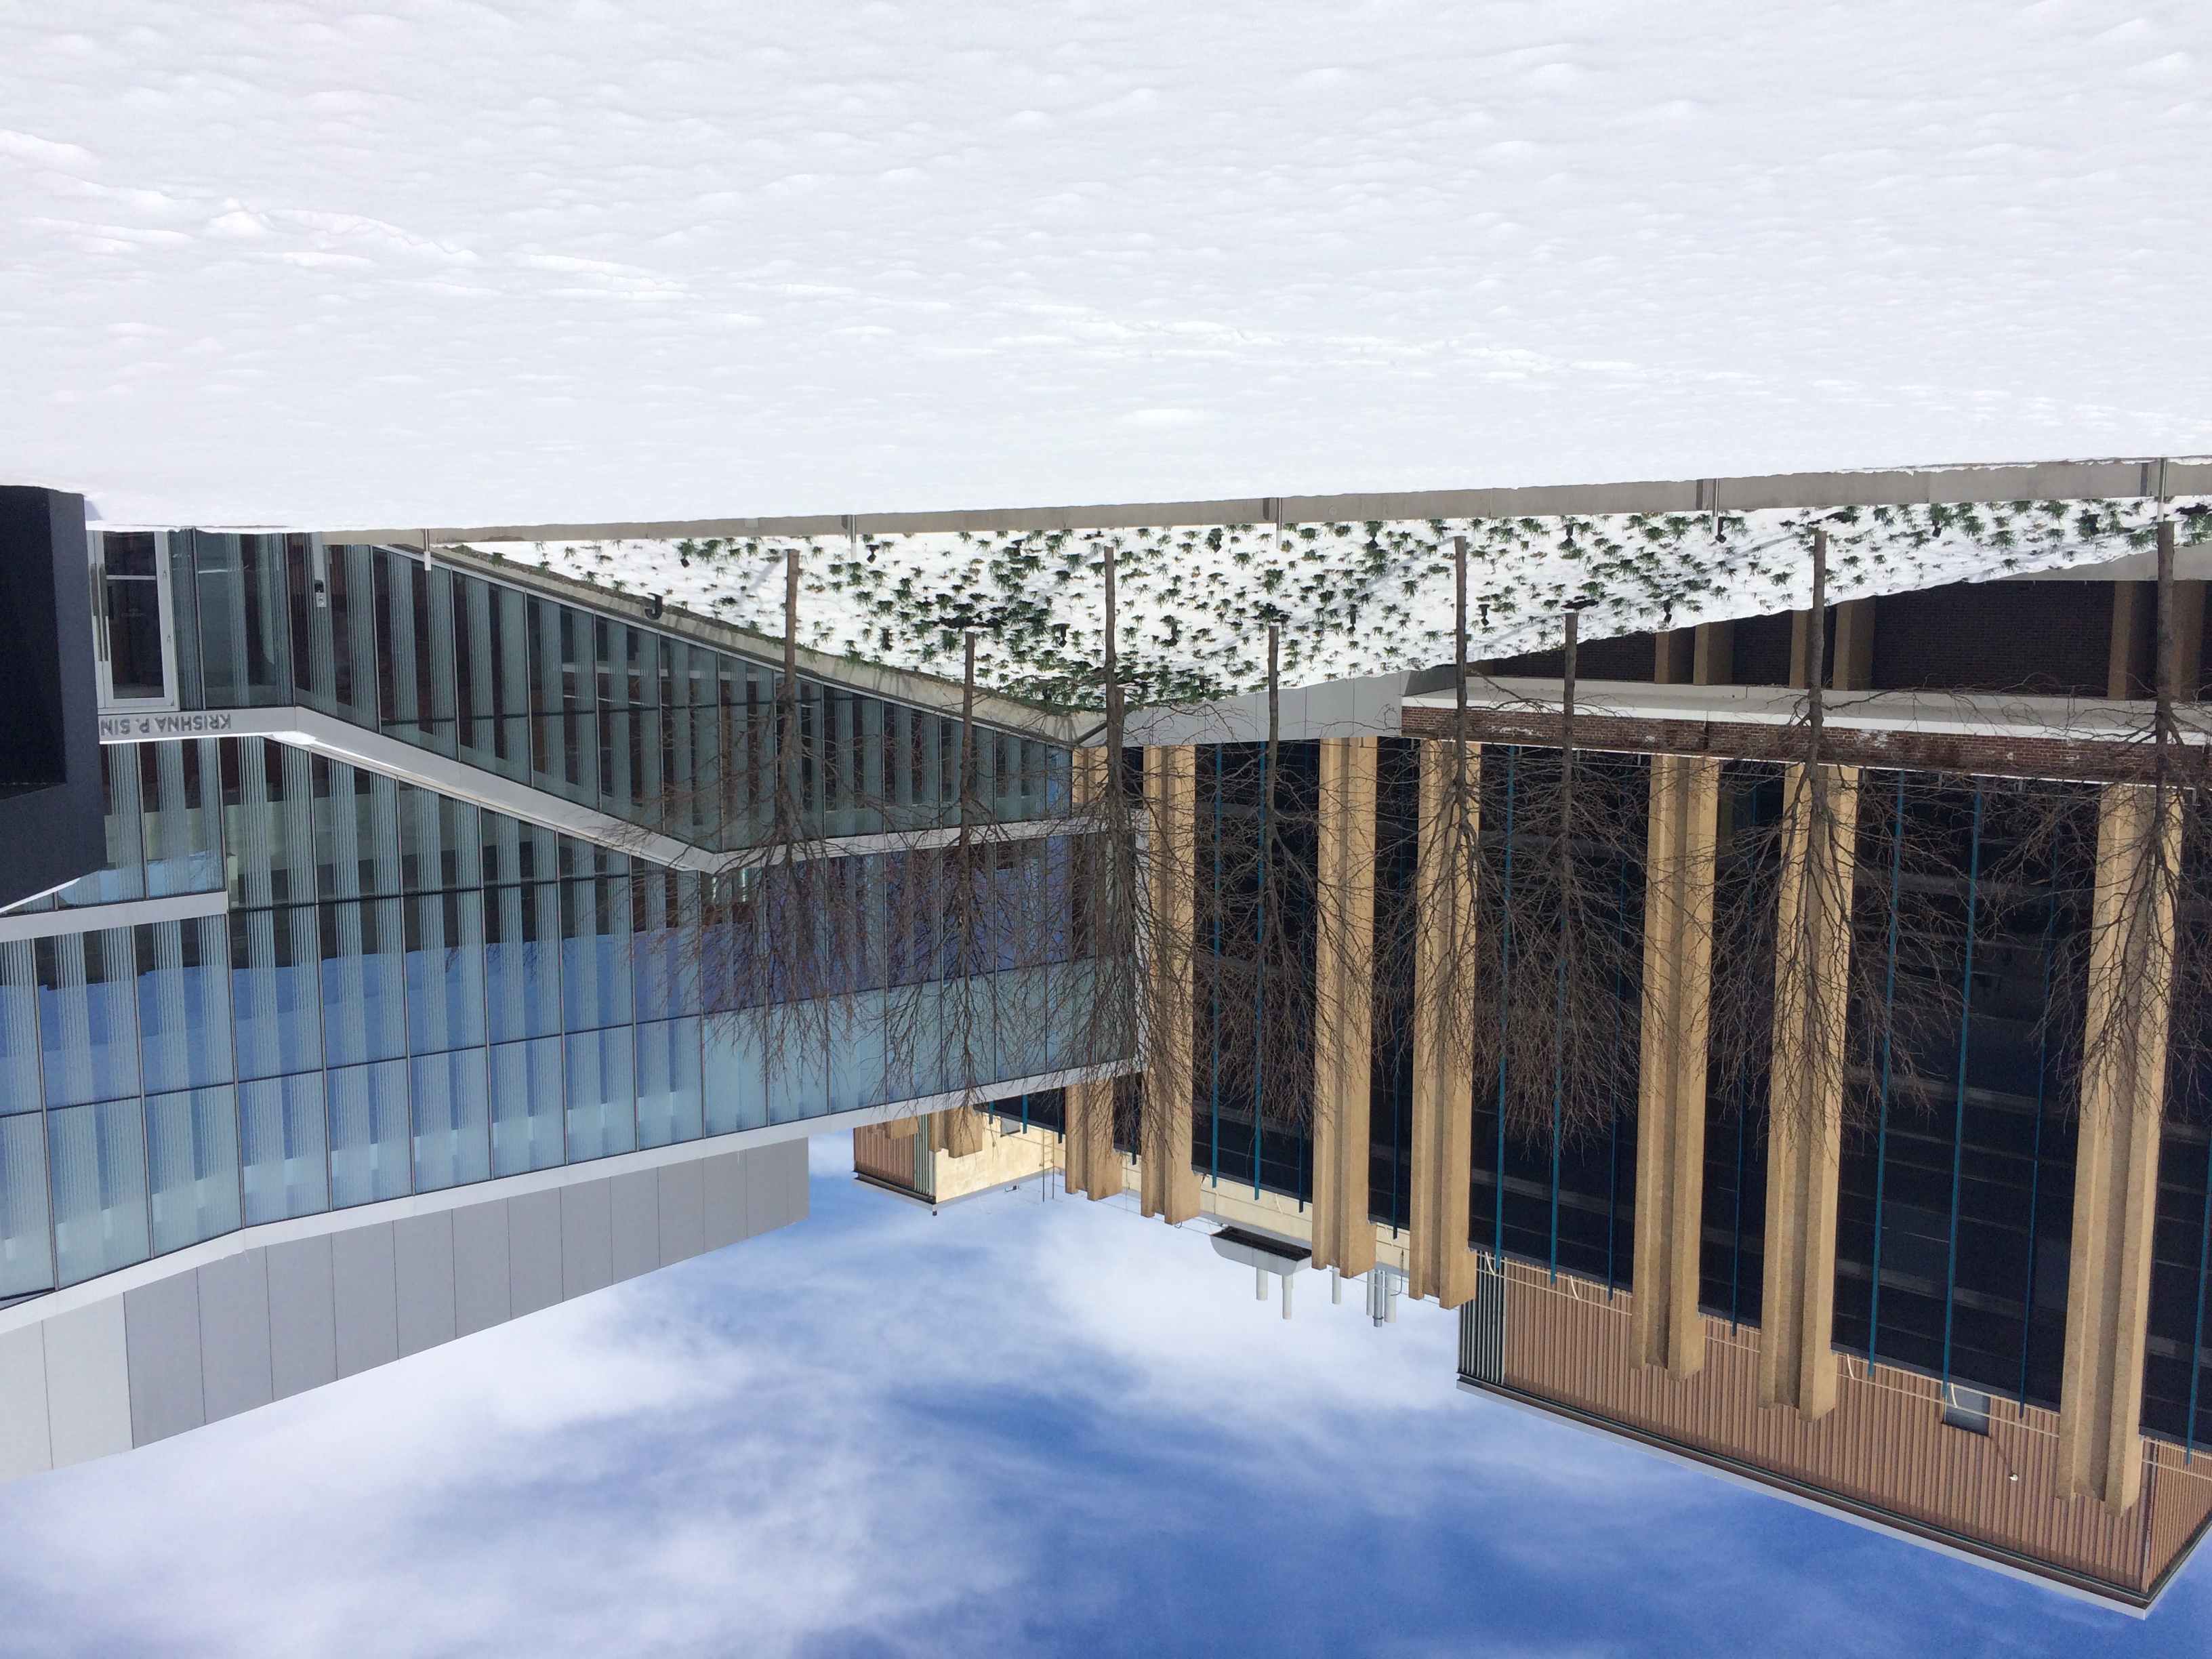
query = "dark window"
x=136 y=668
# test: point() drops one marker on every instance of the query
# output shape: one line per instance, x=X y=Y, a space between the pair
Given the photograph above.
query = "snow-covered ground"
x=306 y=262
x=1195 y=600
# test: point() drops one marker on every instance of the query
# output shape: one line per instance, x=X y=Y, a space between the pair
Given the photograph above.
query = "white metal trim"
x=129 y=912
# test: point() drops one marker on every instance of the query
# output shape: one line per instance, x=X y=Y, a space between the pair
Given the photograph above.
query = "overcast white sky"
x=446 y=263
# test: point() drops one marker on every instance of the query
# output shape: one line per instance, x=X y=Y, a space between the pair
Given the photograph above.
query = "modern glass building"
x=425 y=887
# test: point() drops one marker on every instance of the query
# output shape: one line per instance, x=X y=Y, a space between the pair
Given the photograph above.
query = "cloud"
x=1019 y=1425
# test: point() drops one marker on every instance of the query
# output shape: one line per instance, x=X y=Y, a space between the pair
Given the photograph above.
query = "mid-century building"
x=382 y=1006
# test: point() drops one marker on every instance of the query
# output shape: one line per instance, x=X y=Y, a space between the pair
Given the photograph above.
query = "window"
x=1965 y=1408
x=135 y=629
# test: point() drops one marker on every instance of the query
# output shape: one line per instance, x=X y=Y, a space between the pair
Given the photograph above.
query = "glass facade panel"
x=409 y=993
x=268 y=824
x=601 y=1090
x=1955 y=1217
x=440 y=842
x=1253 y=1078
x=276 y=959
x=241 y=613
x=856 y=1052
x=21 y=1090
x=98 y=1157
x=364 y=981
x=372 y=1151
x=286 y=1148
x=734 y=1068
x=180 y=786
x=639 y=724
x=667 y=945
x=357 y=826
x=522 y=961
x=183 y=1004
x=527 y=1131
x=27 y=1242
x=453 y=1120
x=89 y=1015
x=124 y=875
x=191 y=1153
x=669 y=1100
x=444 y=971
x=595 y=956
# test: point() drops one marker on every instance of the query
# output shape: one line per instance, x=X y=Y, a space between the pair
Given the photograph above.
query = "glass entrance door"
x=136 y=631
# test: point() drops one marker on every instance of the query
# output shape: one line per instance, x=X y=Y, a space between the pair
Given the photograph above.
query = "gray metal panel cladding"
x=533 y=1252
x=789 y=1161
x=480 y=1267
x=766 y=1197
x=422 y=1265
x=722 y=1180
x=303 y=1316
x=162 y=1332
x=234 y=1334
x=636 y=1198
x=587 y=1238
x=364 y=1294
x=26 y=1442
x=89 y=1381
x=682 y=1211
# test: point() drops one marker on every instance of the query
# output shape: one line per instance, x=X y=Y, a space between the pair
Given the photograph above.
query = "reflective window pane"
x=183 y=1004
x=285 y=1140
x=26 y=1244
x=191 y=1146
x=452 y=1129
x=602 y=1092
x=98 y=1159
x=372 y=1151
x=89 y=1015
x=669 y=1101
x=527 y=1132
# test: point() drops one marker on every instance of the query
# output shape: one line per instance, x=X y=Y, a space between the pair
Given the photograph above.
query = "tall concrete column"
x=1090 y=1164
x=1441 y=1264
x=958 y=1130
x=2116 y=1165
x=1344 y=1004
x=1851 y=666
x=1713 y=653
x=1170 y=1184
x=1812 y=966
x=1670 y=1135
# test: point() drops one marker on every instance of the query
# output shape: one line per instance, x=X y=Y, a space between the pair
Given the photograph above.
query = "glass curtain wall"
x=1563 y=1197
x=646 y=726
x=1254 y=953
x=1955 y=1209
x=407 y=993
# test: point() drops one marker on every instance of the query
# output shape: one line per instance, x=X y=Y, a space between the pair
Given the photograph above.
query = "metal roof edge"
x=2048 y=480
